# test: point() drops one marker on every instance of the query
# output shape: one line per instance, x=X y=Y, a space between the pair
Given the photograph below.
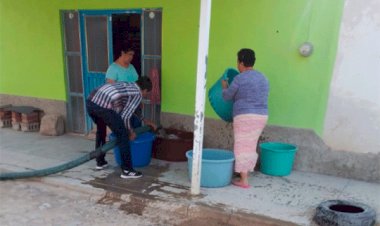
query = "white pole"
x=203 y=39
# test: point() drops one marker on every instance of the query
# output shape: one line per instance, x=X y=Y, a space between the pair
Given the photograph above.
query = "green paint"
x=275 y=29
x=31 y=46
x=31 y=62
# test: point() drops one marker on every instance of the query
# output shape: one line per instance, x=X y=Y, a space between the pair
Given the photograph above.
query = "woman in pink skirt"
x=249 y=93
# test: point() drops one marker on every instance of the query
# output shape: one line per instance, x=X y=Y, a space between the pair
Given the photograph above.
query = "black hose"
x=76 y=162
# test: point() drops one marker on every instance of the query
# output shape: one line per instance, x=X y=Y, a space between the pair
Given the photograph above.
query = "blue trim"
x=110 y=41
x=110 y=12
x=146 y=57
x=83 y=41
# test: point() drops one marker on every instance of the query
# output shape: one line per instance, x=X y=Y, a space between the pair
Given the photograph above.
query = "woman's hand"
x=132 y=135
x=110 y=81
x=224 y=84
x=151 y=124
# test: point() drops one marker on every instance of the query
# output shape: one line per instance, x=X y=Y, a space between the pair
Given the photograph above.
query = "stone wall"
x=313 y=154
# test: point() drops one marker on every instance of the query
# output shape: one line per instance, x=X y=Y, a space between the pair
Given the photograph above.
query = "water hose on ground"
x=76 y=162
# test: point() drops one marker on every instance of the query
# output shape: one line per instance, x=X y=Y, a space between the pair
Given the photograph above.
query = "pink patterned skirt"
x=247 y=130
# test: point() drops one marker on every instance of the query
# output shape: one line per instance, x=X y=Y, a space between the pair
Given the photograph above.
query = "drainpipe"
x=203 y=40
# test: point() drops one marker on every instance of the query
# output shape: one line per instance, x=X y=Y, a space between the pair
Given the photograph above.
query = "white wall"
x=352 y=121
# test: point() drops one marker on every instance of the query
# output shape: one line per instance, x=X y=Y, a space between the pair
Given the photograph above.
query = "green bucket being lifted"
x=222 y=108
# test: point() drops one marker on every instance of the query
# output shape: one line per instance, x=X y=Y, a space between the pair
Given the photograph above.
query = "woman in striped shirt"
x=112 y=105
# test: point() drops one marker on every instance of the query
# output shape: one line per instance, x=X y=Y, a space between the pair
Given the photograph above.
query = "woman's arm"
x=230 y=91
x=110 y=81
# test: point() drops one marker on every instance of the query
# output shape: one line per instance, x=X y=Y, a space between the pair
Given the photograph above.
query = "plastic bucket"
x=216 y=169
x=277 y=159
x=221 y=107
x=141 y=150
x=172 y=145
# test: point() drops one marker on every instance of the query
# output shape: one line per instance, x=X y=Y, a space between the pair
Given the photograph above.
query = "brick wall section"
x=5 y=114
x=5 y=118
x=16 y=117
x=47 y=106
x=31 y=117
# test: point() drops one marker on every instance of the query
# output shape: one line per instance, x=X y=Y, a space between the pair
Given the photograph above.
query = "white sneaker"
x=125 y=174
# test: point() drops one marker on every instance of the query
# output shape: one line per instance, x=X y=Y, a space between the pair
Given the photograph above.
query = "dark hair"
x=247 y=57
x=122 y=47
x=145 y=83
x=125 y=47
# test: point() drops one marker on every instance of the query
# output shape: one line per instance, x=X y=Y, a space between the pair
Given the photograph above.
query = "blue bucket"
x=221 y=107
x=277 y=159
x=141 y=150
x=216 y=169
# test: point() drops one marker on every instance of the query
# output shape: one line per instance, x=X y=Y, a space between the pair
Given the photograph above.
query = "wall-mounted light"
x=306 y=49
x=152 y=15
x=71 y=16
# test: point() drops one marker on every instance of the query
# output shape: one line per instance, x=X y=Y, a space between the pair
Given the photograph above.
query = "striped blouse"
x=121 y=97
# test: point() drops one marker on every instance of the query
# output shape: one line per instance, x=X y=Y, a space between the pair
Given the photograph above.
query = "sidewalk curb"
x=231 y=217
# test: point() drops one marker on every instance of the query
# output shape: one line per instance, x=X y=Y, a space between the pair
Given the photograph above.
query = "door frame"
x=84 y=48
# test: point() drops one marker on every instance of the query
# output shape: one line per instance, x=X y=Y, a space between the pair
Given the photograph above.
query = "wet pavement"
x=164 y=188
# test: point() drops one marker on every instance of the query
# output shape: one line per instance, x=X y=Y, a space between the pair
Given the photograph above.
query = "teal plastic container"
x=141 y=149
x=277 y=159
x=216 y=169
x=222 y=108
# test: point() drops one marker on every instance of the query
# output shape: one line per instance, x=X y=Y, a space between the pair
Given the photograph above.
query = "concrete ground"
x=160 y=197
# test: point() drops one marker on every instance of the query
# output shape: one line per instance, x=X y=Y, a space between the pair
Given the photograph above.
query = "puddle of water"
x=148 y=186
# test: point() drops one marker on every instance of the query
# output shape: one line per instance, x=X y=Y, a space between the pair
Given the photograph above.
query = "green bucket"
x=222 y=107
x=277 y=159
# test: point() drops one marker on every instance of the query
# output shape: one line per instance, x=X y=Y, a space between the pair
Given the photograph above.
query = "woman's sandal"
x=240 y=184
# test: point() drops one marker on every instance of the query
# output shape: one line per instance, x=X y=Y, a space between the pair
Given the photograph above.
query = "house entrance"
x=92 y=41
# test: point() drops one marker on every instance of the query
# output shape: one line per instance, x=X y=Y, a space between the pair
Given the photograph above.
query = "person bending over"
x=112 y=105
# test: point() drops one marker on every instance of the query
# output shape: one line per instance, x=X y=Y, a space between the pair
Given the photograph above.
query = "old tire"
x=344 y=213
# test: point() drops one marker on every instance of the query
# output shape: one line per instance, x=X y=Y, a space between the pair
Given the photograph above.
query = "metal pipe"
x=203 y=41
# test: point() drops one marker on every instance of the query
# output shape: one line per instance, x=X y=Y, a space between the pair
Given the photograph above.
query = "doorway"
x=126 y=28
x=92 y=42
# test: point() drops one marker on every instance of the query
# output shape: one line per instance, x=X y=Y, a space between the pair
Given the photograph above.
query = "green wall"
x=31 y=62
x=275 y=29
x=31 y=45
